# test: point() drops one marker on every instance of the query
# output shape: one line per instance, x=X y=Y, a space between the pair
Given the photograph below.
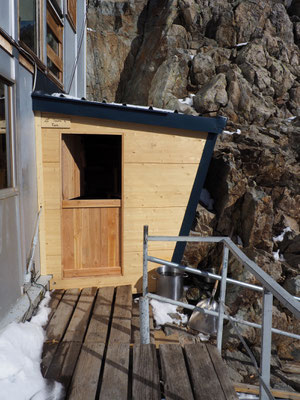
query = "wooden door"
x=91 y=228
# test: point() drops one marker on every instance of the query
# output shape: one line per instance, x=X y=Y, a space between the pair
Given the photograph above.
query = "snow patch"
x=162 y=311
x=206 y=199
x=241 y=44
x=280 y=237
x=237 y=132
x=291 y=119
x=276 y=255
x=21 y=347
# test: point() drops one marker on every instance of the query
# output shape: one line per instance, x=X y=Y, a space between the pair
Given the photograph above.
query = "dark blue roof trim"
x=123 y=113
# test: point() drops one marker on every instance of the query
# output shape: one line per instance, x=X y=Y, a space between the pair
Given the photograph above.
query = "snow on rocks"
x=237 y=132
x=163 y=313
x=21 y=347
x=280 y=237
x=187 y=100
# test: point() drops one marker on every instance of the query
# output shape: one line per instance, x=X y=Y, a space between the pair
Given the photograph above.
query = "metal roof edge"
x=124 y=113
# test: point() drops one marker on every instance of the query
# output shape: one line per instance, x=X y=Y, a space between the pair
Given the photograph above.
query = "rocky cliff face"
x=237 y=58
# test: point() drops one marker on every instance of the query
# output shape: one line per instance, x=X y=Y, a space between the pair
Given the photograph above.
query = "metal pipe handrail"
x=269 y=288
x=206 y=274
x=267 y=281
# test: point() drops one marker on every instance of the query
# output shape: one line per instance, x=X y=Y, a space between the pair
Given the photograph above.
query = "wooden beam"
x=25 y=63
x=252 y=389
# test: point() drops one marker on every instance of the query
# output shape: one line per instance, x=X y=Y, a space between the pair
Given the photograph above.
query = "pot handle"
x=185 y=275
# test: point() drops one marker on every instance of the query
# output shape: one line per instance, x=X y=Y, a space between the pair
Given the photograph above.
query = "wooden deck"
x=93 y=349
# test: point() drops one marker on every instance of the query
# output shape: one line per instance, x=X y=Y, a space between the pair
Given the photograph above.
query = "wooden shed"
x=104 y=171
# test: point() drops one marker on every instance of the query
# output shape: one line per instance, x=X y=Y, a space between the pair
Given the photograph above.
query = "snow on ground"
x=206 y=199
x=162 y=311
x=280 y=237
x=21 y=347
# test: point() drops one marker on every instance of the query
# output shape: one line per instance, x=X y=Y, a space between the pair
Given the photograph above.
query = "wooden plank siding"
x=158 y=170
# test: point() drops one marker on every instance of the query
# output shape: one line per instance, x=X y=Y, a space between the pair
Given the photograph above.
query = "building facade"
x=42 y=48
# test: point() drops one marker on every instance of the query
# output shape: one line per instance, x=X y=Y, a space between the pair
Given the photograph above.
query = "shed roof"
x=126 y=113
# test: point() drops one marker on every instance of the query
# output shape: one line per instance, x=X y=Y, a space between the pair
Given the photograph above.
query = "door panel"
x=91 y=240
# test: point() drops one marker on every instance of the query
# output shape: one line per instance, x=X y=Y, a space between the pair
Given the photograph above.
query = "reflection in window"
x=52 y=41
x=54 y=44
x=28 y=23
x=53 y=68
x=4 y=180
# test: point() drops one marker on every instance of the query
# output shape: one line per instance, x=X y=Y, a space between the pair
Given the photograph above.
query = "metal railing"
x=269 y=289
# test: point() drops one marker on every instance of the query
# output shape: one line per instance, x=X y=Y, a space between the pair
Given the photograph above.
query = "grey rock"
x=212 y=95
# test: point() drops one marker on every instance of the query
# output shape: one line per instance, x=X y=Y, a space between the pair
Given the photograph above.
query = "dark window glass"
x=3 y=140
x=55 y=71
x=28 y=23
x=52 y=41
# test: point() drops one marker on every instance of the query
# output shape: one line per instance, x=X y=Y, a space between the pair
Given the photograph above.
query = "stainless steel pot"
x=169 y=282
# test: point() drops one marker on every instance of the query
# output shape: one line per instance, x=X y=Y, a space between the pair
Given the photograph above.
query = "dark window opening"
x=4 y=139
x=28 y=23
x=96 y=161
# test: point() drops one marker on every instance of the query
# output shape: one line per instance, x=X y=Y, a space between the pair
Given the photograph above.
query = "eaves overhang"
x=127 y=113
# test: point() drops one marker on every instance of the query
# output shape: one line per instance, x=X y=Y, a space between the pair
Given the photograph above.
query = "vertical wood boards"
x=159 y=167
x=90 y=241
x=204 y=380
x=72 y=162
x=176 y=380
x=145 y=374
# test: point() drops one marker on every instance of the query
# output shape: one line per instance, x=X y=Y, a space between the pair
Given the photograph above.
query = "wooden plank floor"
x=93 y=349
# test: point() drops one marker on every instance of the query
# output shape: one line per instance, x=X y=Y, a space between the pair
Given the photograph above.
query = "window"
x=5 y=142
x=28 y=24
x=54 y=44
x=71 y=8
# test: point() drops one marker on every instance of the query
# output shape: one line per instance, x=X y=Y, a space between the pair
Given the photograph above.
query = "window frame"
x=10 y=189
x=39 y=54
x=57 y=28
x=72 y=13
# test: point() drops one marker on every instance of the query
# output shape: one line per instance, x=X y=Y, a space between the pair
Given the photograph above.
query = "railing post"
x=144 y=301
x=266 y=343
x=222 y=297
x=145 y=261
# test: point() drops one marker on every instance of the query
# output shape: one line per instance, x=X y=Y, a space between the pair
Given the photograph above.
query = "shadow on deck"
x=93 y=349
